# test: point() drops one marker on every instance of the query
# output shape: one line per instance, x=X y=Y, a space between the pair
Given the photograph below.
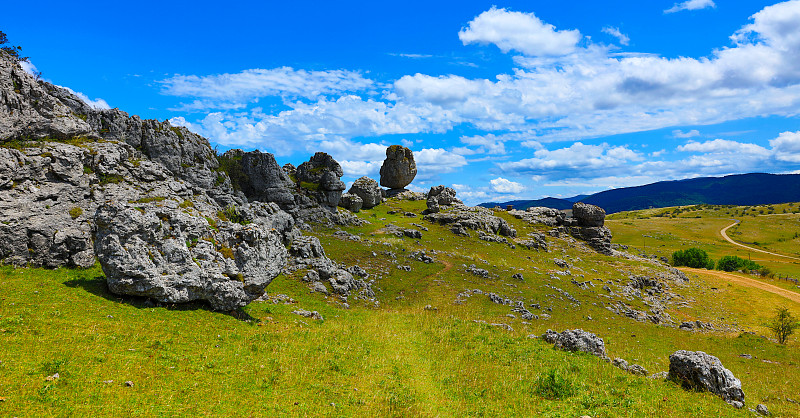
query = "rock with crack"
x=351 y=202
x=398 y=169
x=577 y=340
x=700 y=371
x=441 y=196
x=540 y=215
x=174 y=257
x=320 y=175
x=368 y=190
x=460 y=218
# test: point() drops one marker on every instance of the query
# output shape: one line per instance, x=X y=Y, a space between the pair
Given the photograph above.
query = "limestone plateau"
x=169 y=219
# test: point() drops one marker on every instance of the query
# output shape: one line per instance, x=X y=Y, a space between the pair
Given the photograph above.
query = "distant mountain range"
x=738 y=189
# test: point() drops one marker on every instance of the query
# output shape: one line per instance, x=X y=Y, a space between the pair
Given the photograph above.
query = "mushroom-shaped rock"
x=398 y=169
x=368 y=190
x=701 y=371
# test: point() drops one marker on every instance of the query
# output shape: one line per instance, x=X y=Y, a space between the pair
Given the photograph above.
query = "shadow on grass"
x=99 y=287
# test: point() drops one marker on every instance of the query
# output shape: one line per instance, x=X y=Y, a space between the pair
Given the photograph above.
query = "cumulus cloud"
x=587 y=159
x=254 y=83
x=787 y=147
x=501 y=185
x=691 y=5
x=523 y=32
x=438 y=160
x=621 y=37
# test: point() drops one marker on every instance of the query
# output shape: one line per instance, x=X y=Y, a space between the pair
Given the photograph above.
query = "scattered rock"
x=308 y=314
x=412 y=233
x=518 y=276
x=460 y=218
x=762 y=409
x=441 y=196
x=701 y=371
x=52 y=378
x=128 y=383
x=478 y=272
x=577 y=340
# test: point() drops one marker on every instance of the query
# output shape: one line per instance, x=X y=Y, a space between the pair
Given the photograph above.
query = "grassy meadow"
x=394 y=358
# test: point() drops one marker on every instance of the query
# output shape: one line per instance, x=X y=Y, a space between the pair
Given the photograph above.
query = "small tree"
x=12 y=51
x=783 y=325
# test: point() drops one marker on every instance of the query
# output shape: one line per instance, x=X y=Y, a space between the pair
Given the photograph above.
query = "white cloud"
x=523 y=32
x=689 y=134
x=577 y=157
x=437 y=160
x=488 y=144
x=28 y=67
x=724 y=146
x=623 y=39
x=501 y=185
x=787 y=147
x=254 y=83
x=691 y=5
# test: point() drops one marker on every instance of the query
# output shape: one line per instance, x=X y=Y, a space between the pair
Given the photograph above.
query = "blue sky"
x=502 y=100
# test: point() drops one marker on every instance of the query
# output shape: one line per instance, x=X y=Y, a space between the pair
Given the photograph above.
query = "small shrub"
x=110 y=179
x=552 y=385
x=692 y=257
x=186 y=204
x=75 y=212
x=233 y=214
x=226 y=252
x=783 y=325
x=734 y=263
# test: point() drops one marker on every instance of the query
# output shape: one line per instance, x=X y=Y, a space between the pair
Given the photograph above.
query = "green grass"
x=394 y=359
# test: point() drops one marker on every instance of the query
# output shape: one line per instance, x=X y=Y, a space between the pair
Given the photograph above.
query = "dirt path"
x=724 y=234
x=744 y=281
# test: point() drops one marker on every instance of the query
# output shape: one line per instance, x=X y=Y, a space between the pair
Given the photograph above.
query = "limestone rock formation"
x=540 y=215
x=701 y=371
x=460 y=218
x=441 y=196
x=351 y=202
x=321 y=175
x=259 y=176
x=577 y=340
x=368 y=190
x=398 y=169
x=174 y=257
x=588 y=215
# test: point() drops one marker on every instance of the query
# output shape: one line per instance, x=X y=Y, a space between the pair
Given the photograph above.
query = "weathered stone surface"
x=701 y=371
x=175 y=257
x=351 y=202
x=588 y=215
x=540 y=215
x=461 y=217
x=321 y=175
x=577 y=340
x=368 y=190
x=441 y=196
x=261 y=178
x=398 y=169
x=599 y=238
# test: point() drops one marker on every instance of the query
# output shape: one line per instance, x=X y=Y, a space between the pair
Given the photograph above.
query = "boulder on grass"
x=700 y=371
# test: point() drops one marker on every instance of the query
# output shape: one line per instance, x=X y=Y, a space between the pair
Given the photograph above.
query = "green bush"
x=734 y=263
x=692 y=257
x=552 y=385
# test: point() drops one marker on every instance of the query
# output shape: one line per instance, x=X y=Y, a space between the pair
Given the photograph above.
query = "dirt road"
x=744 y=281
x=724 y=234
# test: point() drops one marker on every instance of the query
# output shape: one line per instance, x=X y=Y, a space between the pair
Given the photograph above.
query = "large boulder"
x=700 y=371
x=460 y=218
x=258 y=176
x=540 y=215
x=351 y=202
x=320 y=175
x=398 y=169
x=577 y=340
x=588 y=215
x=368 y=190
x=175 y=257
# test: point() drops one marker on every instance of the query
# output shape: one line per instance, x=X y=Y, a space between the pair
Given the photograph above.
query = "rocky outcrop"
x=368 y=190
x=320 y=175
x=175 y=257
x=441 y=196
x=258 y=176
x=323 y=273
x=398 y=169
x=700 y=371
x=461 y=218
x=577 y=340
x=351 y=202
x=586 y=224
